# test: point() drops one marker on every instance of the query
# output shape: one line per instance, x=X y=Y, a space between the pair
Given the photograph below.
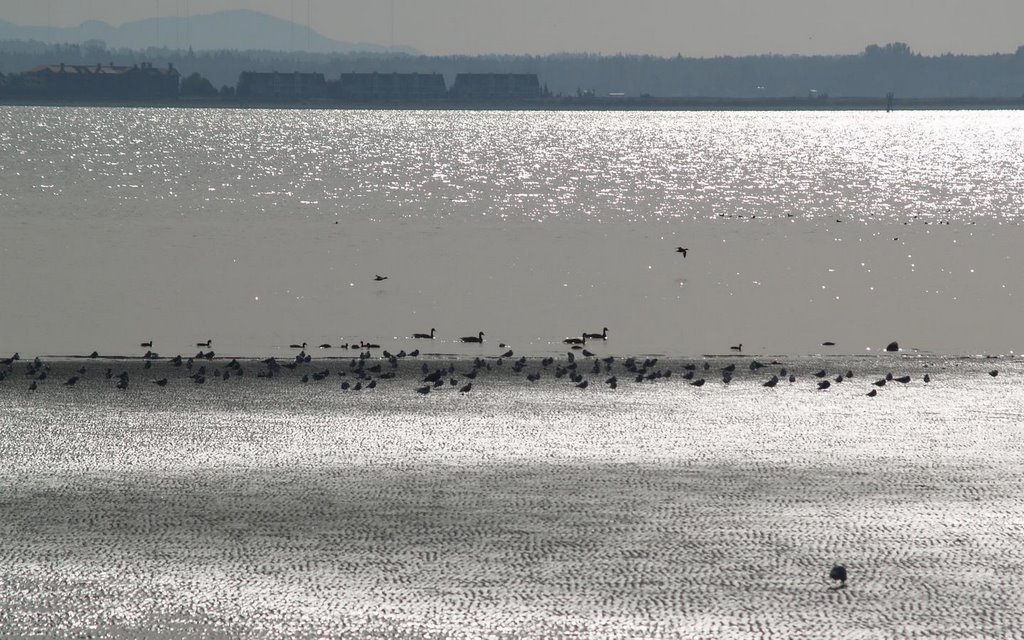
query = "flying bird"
x=682 y=250
x=378 y=278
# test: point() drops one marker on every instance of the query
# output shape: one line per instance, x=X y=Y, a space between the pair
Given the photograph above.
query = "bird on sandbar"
x=838 y=572
x=682 y=250
x=872 y=393
x=425 y=336
x=474 y=339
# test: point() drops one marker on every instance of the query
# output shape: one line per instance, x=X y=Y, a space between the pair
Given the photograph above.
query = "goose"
x=425 y=336
x=466 y=388
x=476 y=339
x=507 y=354
x=122 y=383
x=147 y=344
x=682 y=250
x=774 y=380
x=33 y=386
x=325 y=345
x=697 y=383
x=582 y=340
x=424 y=390
x=738 y=347
x=824 y=384
x=205 y=344
x=298 y=346
x=583 y=385
x=597 y=336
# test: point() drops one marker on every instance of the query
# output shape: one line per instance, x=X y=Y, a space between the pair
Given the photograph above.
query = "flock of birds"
x=580 y=367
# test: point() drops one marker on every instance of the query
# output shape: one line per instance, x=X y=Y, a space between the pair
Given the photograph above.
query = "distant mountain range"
x=242 y=29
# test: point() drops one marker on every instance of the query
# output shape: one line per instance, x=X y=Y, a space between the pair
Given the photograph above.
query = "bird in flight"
x=682 y=250
x=380 y=278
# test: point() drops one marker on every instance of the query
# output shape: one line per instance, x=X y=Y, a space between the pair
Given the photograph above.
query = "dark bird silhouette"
x=872 y=393
x=927 y=378
x=325 y=346
x=903 y=380
x=122 y=384
x=476 y=339
x=466 y=388
x=879 y=383
x=738 y=347
x=379 y=278
x=697 y=383
x=424 y=336
x=160 y=383
x=838 y=572
x=729 y=369
x=147 y=344
x=583 y=385
x=424 y=390
x=297 y=346
x=206 y=344
x=71 y=381
x=824 y=384
x=994 y=372
x=820 y=374
x=582 y=340
x=597 y=336
x=682 y=250
x=828 y=343
x=774 y=380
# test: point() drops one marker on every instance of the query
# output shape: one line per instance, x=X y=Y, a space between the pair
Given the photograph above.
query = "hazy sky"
x=663 y=27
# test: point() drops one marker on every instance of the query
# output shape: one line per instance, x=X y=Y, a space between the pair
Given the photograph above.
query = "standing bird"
x=824 y=384
x=466 y=388
x=682 y=250
x=424 y=336
x=838 y=572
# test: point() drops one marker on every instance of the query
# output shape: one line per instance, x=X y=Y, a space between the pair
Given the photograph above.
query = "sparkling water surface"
x=125 y=225
x=254 y=507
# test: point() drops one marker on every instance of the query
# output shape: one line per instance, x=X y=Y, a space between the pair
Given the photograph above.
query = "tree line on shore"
x=876 y=71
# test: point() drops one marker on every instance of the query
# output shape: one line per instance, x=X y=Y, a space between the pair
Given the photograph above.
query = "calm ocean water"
x=266 y=507
x=261 y=228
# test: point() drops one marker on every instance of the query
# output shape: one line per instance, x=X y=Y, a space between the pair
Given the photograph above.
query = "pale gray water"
x=124 y=225
x=265 y=508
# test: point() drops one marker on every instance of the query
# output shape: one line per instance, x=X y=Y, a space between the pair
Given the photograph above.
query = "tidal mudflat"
x=263 y=507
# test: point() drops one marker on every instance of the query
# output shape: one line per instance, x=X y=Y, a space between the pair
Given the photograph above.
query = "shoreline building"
x=496 y=86
x=389 y=86
x=256 y=84
x=102 y=81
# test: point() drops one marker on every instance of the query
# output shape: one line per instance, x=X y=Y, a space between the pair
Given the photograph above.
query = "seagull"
x=379 y=278
x=682 y=250
x=424 y=336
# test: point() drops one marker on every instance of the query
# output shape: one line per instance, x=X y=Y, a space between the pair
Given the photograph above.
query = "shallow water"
x=258 y=507
x=126 y=225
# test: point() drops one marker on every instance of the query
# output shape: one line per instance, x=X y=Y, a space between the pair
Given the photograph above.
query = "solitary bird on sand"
x=682 y=250
x=378 y=278
x=424 y=336
x=738 y=347
x=838 y=572
x=477 y=338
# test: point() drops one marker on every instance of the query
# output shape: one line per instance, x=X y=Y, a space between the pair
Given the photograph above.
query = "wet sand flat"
x=261 y=507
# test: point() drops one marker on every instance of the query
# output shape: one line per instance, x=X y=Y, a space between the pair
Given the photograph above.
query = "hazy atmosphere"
x=659 y=27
